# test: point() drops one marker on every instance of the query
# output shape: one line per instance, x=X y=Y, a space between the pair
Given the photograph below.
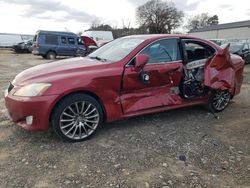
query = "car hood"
x=51 y=71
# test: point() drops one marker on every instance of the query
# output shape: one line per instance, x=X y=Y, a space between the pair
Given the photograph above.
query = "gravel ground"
x=139 y=152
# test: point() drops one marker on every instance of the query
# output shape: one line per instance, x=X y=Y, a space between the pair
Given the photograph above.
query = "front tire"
x=219 y=100
x=77 y=117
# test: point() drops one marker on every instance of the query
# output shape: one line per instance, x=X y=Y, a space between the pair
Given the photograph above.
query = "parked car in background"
x=8 y=40
x=50 y=44
x=100 y=37
x=218 y=41
x=89 y=43
x=127 y=77
x=23 y=47
x=242 y=49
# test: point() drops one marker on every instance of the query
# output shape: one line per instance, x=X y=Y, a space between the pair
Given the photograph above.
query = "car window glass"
x=166 y=50
x=51 y=39
x=117 y=49
x=197 y=50
x=35 y=38
x=246 y=48
x=63 y=40
x=71 y=40
x=79 y=41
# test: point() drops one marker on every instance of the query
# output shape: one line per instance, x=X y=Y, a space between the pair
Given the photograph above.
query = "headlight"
x=36 y=89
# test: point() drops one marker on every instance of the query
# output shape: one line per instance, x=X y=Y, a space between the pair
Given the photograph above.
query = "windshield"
x=117 y=49
x=234 y=47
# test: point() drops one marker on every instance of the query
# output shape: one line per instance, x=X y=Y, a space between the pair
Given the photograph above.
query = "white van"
x=8 y=40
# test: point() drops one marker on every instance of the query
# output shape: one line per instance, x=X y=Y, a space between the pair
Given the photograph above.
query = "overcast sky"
x=28 y=16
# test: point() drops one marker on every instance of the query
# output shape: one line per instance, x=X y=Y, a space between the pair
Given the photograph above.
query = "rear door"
x=163 y=72
x=219 y=71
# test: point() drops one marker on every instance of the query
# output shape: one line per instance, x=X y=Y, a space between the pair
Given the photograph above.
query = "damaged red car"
x=127 y=77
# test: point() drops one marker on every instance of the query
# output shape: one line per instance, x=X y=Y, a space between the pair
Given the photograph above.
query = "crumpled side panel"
x=219 y=71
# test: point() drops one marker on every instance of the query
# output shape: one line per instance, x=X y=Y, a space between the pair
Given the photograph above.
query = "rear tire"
x=51 y=55
x=77 y=117
x=218 y=100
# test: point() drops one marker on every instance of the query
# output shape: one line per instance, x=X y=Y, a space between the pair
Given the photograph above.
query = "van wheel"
x=218 y=100
x=77 y=117
x=51 y=55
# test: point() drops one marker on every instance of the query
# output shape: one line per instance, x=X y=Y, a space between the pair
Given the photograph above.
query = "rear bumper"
x=38 y=107
x=35 y=52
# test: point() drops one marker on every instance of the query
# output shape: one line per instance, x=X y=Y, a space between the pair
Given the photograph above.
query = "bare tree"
x=95 y=23
x=79 y=33
x=127 y=24
x=159 y=16
x=202 y=20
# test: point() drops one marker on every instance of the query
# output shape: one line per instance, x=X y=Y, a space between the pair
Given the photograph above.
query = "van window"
x=71 y=40
x=51 y=39
x=63 y=40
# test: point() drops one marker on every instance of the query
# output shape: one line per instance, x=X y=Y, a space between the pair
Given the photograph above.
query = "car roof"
x=56 y=32
x=159 y=36
x=152 y=37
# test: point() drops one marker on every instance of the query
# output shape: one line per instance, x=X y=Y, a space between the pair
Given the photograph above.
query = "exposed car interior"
x=196 y=55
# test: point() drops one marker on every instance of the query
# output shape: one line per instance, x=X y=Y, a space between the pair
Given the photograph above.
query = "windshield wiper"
x=99 y=58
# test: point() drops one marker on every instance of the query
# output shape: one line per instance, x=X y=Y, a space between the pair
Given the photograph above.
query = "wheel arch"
x=50 y=50
x=90 y=93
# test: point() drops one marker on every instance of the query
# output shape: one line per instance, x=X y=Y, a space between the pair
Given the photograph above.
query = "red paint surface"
x=224 y=72
x=136 y=95
x=117 y=87
x=88 y=41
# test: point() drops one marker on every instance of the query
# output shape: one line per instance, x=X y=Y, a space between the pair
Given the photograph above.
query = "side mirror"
x=141 y=60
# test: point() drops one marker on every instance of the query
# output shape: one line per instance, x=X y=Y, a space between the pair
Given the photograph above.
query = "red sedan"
x=127 y=77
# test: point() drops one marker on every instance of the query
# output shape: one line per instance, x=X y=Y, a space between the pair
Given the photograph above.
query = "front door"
x=63 y=48
x=157 y=83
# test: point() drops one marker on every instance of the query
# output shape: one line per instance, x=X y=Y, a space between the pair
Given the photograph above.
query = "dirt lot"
x=138 y=152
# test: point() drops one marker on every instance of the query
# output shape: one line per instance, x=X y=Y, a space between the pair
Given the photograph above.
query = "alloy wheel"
x=220 y=100
x=79 y=120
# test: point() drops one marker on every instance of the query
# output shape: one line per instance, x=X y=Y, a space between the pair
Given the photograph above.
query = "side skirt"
x=186 y=103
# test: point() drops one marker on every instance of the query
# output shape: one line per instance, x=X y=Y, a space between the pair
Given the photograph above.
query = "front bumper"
x=38 y=107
